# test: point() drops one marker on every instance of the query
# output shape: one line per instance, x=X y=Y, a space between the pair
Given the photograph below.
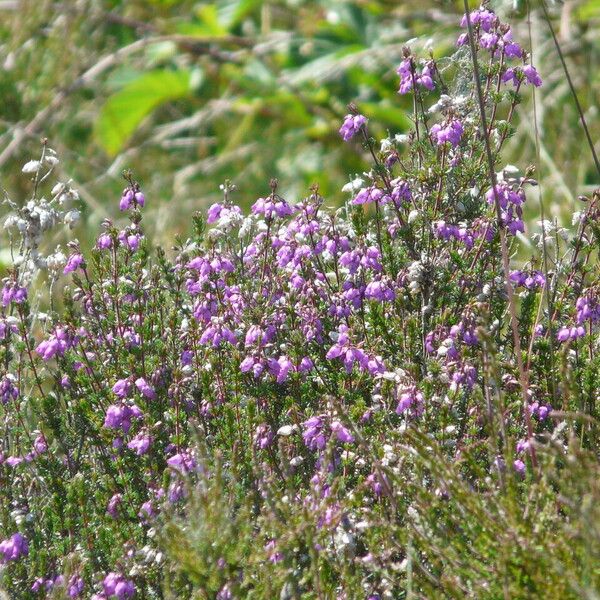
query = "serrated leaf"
x=123 y=112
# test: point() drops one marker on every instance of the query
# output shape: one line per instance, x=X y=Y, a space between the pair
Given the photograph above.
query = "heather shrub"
x=393 y=398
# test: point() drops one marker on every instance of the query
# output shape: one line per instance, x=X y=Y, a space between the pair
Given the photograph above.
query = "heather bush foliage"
x=367 y=402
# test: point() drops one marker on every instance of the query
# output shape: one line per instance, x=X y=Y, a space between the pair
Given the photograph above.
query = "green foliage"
x=123 y=112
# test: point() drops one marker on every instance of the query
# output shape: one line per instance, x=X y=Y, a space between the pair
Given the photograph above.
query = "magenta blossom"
x=352 y=125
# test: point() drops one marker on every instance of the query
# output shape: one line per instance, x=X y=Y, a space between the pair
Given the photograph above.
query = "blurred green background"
x=187 y=94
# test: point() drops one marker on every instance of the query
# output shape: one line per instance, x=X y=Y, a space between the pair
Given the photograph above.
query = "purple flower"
x=74 y=262
x=270 y=207
x=400 y=192
x=57 y=344
x=280 y=368
x=410 y=399
x=13 y=548
x=588 y=309
x=349 y=354
x=263 y=436
x=451 y=132
x=532 y=76
x=126 y=199
x=380 y=290
x=13 y=293
x=183 y=462
x=352 y=125
x=140 y=443
x=566 y=334
x=370 y=194
x=113 y=505
x=40 y=445
x=483 y=17
x=519 y=466
x=119 y=416
x=131 y=241
x=145 y=388
x=313 y=434
x=104 y=242
x=272 y=553
x=115 y=585
x=8 y=388
x=409 y=75
x=341 y=433
x=75 y=586
x=527 y=74
x=122 y=388
x=146 y=511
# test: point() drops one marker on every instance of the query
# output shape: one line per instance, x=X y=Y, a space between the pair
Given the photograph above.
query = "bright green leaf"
x=123 y=112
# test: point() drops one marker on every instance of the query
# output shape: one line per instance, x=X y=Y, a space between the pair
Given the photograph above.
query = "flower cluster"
x=285 y=366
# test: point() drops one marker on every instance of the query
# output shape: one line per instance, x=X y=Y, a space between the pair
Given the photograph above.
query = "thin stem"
x=571 y=87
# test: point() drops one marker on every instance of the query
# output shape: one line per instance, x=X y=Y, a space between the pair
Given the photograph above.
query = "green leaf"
x=386 y=113
x=123 y=112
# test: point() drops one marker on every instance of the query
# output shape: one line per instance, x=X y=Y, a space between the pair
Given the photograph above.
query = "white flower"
x=353 y=186
x=286 y=430
x=31 y=167
x=71 y=218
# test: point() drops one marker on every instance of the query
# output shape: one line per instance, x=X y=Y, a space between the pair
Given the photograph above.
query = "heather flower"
x=263 y=436
x=350 y=355
x=410 y=399
x=519 y=466
x=541 y=411
x=274 y=555
x=75 y=586
x=450 y=133
x=270 y=207
x=341 y=433
x=380 y=290
x=140 y=444
x=56 y=345
x=126 y=199
x=511 y=48
x=147 y=511
x=8 y=388
x=483 y=17
x=280 y=368
x=526 y=74
x=130 y=240
x=532 y=76
x=409 y=75
x=400 y=192
x=313 y=434
x=104 y=241
x=119 y=416
x=566 y=334
x=122 y=388
x=75 y=261
x=370 y=194
x=588 y=309
x=215 y=334
x=352 y=125
x=13 y=293
x=40 y=445
x=113 y=505
x=116 y=586
x=463 y=376
x=530 y=280
x=183 y=462
x=13 y=548
x=145 y=388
